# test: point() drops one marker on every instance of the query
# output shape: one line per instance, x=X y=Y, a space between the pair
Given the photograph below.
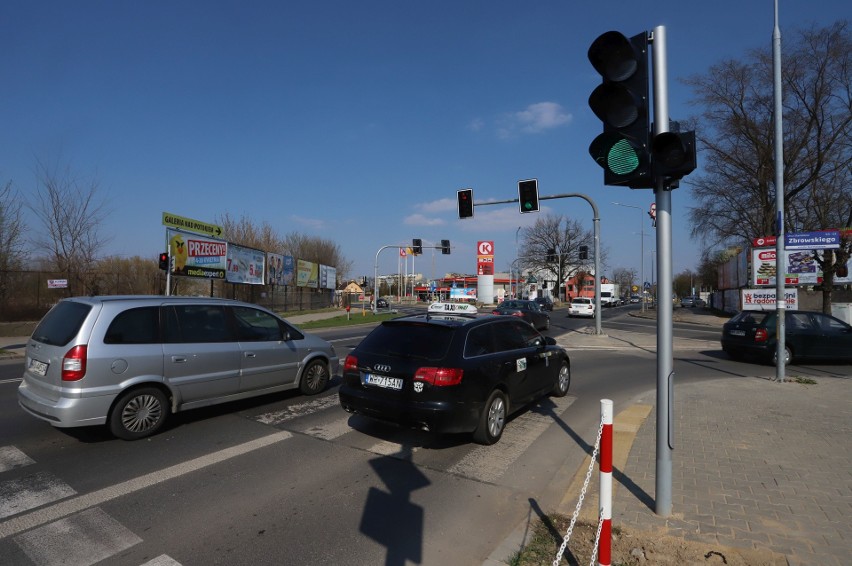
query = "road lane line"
x=56 y=511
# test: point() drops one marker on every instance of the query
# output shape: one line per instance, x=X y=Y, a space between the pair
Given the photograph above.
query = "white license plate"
x=38 y=368
x=383 y=381
x=736 y=332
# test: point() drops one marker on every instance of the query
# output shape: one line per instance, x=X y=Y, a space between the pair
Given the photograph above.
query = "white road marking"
x=11 y=458
x=162 y=560
x=76 y=504
x=80 y=540
x=488 y=463
x=19 y=495
x=332 y=430
x=298 y=410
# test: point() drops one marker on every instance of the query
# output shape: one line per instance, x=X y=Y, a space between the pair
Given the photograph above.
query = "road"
x=288 y=479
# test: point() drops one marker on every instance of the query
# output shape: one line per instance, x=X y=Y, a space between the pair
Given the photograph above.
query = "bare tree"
x=735 y=198
x=12 y=250
x=559 y=237
x=71 y=213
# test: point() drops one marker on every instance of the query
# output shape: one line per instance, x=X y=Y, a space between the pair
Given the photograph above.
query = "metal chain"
x=582 y=496
x=597 y=539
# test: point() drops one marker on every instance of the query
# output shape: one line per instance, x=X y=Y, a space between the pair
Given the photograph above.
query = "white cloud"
x=421 y=220
x=440 y=205
x=534 y=119
x=315 y=223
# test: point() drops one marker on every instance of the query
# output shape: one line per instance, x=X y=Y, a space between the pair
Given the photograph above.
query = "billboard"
x=245 y=265
x=307 y=274
x=800 y=268
x=279 y=269
x=194 y=255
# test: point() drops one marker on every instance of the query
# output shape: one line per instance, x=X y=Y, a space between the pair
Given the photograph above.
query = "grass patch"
x=355 y=318
x=804 y=380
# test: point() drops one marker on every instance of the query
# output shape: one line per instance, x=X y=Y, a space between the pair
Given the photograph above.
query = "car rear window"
x=751 y=317
x=409 y=340
x=61 y=323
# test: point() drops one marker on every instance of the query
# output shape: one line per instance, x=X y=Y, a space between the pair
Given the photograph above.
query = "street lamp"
x=511 y=293
x=642 y=255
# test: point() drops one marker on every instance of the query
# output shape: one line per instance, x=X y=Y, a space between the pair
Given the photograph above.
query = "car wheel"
x=314 y=378
x=492 y=421
x=788 y=356
x=138 y=413
x=563 y=381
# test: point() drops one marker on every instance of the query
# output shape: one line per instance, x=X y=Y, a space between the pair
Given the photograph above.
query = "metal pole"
x=642 y=255
x=665 y=360
x=780 y=260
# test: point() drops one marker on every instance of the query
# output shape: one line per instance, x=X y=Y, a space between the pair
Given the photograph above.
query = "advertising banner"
x=800 y=268
x=463 y=294
x=245 y=265
x=764 y=299
x=331 y=277
x=307 y=274
x=194 y=255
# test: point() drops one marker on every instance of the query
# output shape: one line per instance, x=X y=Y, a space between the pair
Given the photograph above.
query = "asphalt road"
x=288 y=479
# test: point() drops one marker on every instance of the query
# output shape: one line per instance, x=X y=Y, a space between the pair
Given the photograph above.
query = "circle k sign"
x=485 y=248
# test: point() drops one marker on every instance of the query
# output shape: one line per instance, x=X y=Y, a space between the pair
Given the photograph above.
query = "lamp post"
x=642 y=255
x=511 y=293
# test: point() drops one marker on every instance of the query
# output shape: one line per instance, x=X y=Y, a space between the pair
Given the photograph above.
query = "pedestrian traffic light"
x=164 y=261
x=528 y=195
x=584 y=252
x=622 y=103
x=465 y=197
x=445 y=247
x=674 y=154
x=417 y=246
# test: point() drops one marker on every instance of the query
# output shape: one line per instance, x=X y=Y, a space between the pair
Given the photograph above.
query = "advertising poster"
x=307 y=274
x=323 y=276
x=764 y=299
x=197 y=256
x=245 y=265
x=463 y=294
x=800 y=268
x=331 y=275
x=279 y=269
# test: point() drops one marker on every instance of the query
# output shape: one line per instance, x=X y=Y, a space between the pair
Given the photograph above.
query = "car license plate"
x=736 y=332
x=38 y=368
x=383 y=381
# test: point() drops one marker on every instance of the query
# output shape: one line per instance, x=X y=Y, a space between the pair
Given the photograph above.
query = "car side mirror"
x=550 y=340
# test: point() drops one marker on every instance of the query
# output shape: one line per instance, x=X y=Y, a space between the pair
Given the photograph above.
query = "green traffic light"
x=622 y=158
x=528 y=205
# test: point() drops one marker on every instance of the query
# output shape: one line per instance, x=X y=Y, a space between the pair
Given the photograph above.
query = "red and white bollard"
x=605 y=541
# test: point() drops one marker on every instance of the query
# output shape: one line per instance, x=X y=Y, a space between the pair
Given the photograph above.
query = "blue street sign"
x=825 y=240
x=647 y=285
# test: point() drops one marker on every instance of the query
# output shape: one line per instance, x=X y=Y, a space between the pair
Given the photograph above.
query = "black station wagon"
x=452 y=373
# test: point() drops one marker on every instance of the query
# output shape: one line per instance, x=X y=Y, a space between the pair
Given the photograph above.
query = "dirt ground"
x=634 y=547
x=17 y=328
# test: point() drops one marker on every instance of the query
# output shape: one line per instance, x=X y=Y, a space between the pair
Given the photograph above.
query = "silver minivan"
x=130 y=361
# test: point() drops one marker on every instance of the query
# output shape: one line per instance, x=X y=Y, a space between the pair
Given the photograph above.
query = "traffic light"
x=417 y=246
x=528 y=195
x=674 y=154
x=551 y=255
x=622 y=103
x=584 y=252
x=465 y=197
x=445 y=247
x=164 y=261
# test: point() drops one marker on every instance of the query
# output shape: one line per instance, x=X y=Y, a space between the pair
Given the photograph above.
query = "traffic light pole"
x=596 y=221
x=376 y=270
x=665 y=359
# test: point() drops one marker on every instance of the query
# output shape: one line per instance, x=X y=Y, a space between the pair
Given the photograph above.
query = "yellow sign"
x=190 y=225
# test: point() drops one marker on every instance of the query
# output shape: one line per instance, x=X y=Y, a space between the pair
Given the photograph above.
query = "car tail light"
x=761 y=335
x=495 y=312
x=74 y=364
x=520 y=314
x=439 y=376
x=351 y=363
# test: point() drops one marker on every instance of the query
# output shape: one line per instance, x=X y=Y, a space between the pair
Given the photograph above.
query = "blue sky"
x=353 y=121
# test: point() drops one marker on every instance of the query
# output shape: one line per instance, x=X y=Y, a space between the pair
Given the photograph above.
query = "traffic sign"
x=190 y=225
x=647 y=285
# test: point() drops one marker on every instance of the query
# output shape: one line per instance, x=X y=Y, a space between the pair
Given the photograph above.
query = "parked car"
x=687 y=302
x=382 y=303
x=582 y=306
x=635 y=299
x=545 y=303
x=525 y=310
x=807 y=335
x=452 y=373
x=128 y=362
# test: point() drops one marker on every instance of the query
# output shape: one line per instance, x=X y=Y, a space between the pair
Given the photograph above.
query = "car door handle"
x=179 y=359
x=249 y=354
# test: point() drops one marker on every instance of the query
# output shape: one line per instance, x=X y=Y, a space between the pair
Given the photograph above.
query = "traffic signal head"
x=622 y=103
x=417 y=246
x=528 y=195
x=445 y=247
x=465 y=198
x=674 y=154
x=164 y=261
x=551 y=255
x=584 y=252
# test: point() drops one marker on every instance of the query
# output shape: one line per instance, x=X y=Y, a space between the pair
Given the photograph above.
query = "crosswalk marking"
x=81 y=539
x=488 y=463
x=333 y=430
x=162 y=560
x=11 y=458
x=19 y=495
x=299 y=410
